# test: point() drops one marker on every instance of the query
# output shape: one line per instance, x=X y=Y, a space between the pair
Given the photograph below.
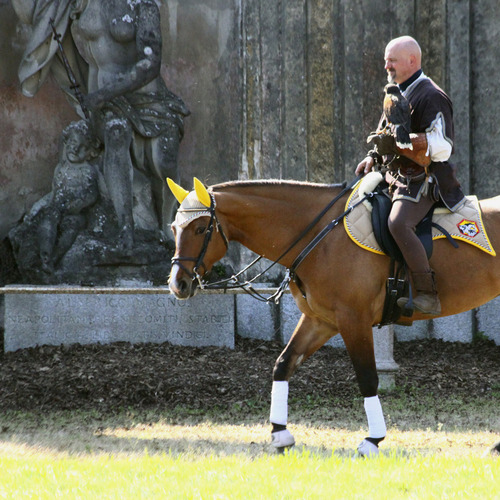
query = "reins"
x=233 y=282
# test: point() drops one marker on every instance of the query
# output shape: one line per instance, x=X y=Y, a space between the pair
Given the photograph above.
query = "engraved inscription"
x=52 y=319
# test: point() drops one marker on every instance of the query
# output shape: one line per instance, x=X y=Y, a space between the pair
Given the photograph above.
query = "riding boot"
x=427 y=300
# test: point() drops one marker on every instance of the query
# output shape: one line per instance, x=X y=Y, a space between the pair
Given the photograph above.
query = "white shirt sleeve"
x=439 y=145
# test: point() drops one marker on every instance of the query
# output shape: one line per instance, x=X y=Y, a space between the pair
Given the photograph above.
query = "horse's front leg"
x=358 y=338
x=308 y=337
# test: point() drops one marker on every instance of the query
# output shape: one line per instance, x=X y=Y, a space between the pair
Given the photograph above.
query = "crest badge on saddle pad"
x=468 y=228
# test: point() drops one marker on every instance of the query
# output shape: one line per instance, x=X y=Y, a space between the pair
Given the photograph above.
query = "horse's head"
x=199 y=239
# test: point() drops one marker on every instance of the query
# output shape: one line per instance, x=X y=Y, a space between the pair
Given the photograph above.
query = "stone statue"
x=134 y=114
x=75 y=188
x=113 y=49
x=54 y=222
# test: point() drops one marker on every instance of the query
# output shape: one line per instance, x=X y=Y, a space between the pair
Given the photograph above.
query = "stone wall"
x=277 y=89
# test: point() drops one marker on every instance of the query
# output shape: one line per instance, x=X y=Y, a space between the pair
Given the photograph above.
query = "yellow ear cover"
x=179 y=192
x=202 y=193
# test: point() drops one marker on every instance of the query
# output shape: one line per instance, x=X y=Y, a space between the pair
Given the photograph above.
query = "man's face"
x=397 y=64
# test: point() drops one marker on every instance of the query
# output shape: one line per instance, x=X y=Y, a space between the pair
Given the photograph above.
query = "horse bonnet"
x=190 y=209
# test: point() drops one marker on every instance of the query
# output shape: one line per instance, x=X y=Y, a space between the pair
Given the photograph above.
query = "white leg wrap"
x=279 y=403
x=376 y=422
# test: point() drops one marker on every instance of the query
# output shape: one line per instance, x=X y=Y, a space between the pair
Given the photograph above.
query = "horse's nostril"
x=181 y=288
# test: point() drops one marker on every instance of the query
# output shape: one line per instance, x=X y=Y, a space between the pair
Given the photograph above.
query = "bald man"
x=419 y=177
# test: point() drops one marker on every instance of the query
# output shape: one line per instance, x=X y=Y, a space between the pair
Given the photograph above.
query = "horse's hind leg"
x=308 y=337
x=359 y=343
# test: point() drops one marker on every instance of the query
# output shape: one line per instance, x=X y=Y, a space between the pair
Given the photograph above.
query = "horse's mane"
x=272 y=182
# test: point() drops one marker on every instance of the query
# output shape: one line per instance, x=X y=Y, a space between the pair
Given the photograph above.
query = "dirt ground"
x=142 y=376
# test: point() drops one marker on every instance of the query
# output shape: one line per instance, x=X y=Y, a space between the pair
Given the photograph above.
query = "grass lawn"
x=148 y=455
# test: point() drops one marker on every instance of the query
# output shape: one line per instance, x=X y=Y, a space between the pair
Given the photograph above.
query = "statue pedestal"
x=96 y=261
x=66 y=315
x=384 y=348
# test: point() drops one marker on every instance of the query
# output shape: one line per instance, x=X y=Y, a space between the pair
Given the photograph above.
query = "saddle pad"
x=465 y=225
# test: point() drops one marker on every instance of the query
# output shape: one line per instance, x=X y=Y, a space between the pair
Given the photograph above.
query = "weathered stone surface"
x=202 y=63
x=483 y=98
x=255 y=319
x=460 y=88
x=284 y=89
x=383 y=339
x=294 y=130
x=457 y=328
x=418 y=330
x=487 y=320
x=320 y=86
x=54 y=319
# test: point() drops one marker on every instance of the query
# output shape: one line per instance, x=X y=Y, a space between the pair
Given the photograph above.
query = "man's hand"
x=383 y=143
x=365 y=166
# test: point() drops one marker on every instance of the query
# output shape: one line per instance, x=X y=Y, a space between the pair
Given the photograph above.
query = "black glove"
x=383 y=143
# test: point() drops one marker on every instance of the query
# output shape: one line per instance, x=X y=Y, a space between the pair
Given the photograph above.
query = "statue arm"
x=149 y=41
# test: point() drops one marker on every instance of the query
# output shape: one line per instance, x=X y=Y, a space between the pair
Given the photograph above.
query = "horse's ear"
x=202 y=193
x=179 y=193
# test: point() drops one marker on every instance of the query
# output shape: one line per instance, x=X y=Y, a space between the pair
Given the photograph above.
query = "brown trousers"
x=403 y=219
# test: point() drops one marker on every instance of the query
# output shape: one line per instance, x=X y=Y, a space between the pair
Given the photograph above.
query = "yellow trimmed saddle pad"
x=464 y=225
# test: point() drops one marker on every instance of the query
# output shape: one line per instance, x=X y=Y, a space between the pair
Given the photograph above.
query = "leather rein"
x=234 y=282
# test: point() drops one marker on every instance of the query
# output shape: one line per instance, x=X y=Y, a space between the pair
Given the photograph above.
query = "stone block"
x=417 y=331
x=457 y=328
x=487 y=320
x=255 y=319
x=53 y=319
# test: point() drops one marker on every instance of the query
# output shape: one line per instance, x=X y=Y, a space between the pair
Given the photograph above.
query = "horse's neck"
x=267 y=219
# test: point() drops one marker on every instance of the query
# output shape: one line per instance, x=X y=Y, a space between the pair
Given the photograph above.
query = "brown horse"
x=338 y=287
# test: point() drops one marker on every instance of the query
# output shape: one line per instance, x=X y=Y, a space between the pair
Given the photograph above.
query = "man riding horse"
x=418 y=176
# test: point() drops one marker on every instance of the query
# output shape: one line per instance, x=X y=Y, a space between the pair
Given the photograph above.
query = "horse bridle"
x=213 y=224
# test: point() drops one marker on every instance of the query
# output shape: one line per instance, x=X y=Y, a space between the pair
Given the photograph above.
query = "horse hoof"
x=367 y=449
x=281 y=440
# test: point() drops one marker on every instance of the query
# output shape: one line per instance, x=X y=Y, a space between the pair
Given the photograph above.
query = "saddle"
x=398 y=284
x=381 y=206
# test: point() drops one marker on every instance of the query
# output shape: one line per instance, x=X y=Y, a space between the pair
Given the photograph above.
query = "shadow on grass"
x=136 y=434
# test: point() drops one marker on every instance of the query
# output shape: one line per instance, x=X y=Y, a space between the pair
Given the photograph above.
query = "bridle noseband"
x=213 y=224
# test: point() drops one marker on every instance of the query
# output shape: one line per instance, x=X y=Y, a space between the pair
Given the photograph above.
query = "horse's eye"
x=200 y=230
